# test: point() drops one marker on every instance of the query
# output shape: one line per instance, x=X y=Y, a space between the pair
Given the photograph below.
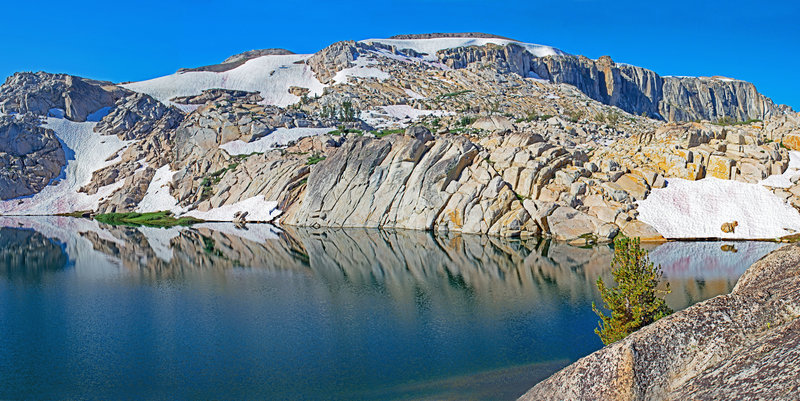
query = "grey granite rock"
x=30 y=156
x=39 y=92
x=744 y=345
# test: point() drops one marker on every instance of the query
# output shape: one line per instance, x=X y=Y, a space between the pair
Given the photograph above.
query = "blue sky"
x=135 y=40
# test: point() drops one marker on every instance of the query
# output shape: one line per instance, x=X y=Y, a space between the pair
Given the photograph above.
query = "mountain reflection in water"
x=308 y=313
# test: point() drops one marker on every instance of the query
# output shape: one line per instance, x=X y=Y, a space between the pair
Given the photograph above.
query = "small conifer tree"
x=635 y=301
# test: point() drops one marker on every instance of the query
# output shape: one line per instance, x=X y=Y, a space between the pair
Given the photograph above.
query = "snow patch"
x=98 y=115
x=258 y=209
x=158 y=197
x=785 y=180
x=413 y=95
x=396 y=115
x=86 y=153
x=362 y=69
x=271 y=76
x=687 y=209
x=279 y=137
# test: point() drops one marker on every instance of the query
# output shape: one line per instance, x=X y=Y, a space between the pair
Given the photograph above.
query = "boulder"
x=643 y=231
x=744 y=345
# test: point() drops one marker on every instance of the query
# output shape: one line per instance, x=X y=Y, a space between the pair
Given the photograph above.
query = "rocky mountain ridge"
x=462 y=133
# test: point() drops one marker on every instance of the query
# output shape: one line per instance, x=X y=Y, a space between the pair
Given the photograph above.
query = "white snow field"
x=697 y=209
x=269 y=75
x=399 y=115
x=363 y=68
x=259 y=210
x=158 y=197
x=86 y=152
x=784 y=180
x=279 y=137
x=431 y=46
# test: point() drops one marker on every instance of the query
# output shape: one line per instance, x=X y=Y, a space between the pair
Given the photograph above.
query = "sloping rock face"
x=510 y=58
x=150 y=125
x=30 y=156
x=745 y=345
x=332 y=59
x=136 y=116
x=37 y=93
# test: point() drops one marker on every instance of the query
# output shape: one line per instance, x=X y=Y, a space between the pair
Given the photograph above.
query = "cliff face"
x=687 y=99
x=743 y=345
x=633 y=89
x=638 y=90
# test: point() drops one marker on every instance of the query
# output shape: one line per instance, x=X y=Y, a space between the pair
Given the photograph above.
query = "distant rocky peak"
x=251 y=54
x=39 y=92
x=238 y=59
x=451 y=35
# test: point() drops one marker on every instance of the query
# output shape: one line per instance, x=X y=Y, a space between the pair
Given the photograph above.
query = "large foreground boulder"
x=745 y=345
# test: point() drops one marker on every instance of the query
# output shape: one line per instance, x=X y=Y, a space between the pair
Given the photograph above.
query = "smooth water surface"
x=216 y=312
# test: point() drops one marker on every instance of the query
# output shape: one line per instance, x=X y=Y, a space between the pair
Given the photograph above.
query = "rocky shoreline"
x=744 y=344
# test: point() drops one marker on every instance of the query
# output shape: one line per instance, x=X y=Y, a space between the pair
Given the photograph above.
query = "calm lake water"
x=89 y=311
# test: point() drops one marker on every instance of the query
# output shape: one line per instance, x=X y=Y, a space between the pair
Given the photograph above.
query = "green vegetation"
x=454 y=94
x=78 y=213
x=152 y=219
x=385 y=132
x=612 y=118
x=466 y=120
x=314 y=159
x=634 y=302
x=574 y=116
x=213 y=179
x=346 y=112
x=210 y=247
x=727 y=120
x=343 y=130
x=534 y=116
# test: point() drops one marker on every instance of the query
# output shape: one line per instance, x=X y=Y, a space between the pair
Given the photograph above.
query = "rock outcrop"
x=690 y=99
x=633 y=89
x=641 y=91
x=30 y=156
x=237 y=60
x=745 y=345
x=38 y=93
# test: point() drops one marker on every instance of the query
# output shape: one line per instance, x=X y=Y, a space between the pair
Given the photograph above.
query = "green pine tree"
x=635 y=301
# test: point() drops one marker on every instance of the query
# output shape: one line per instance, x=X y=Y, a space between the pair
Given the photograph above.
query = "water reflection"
x=306 y=314
x=28 y=255
x=402 y=264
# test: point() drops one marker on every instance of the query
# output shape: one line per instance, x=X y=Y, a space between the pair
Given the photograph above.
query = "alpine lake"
x=215 y=311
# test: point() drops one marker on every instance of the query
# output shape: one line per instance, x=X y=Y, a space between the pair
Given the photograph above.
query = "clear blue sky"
x=135 y=40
